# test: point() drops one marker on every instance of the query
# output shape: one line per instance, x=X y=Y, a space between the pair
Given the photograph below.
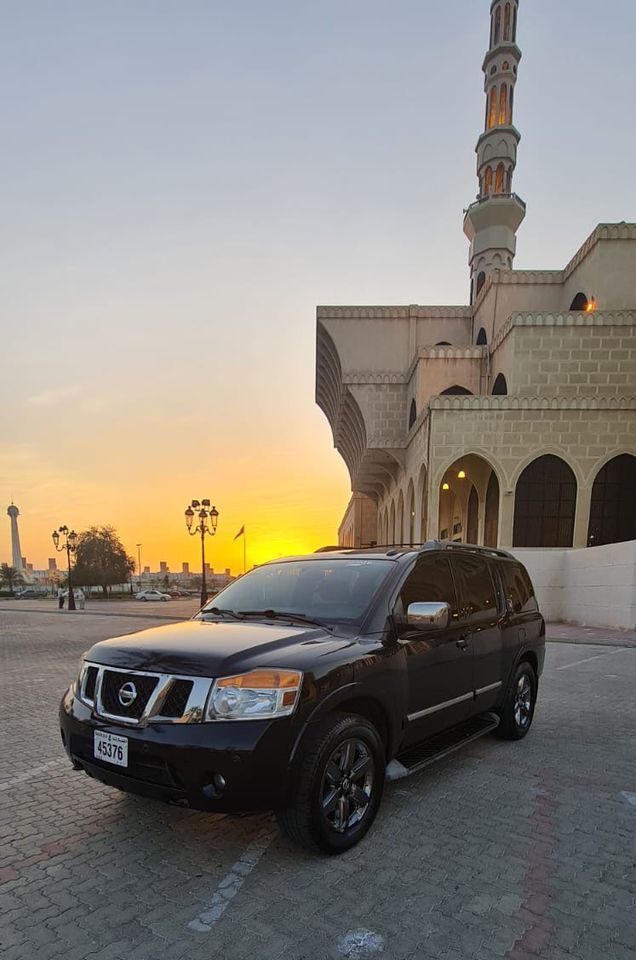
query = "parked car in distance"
x=32 y=593
x=309 y=682
x=152 y=595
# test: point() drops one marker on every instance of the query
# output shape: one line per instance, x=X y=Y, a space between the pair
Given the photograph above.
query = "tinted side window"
x=430 y=581
x=518 y=588
x=476 y=588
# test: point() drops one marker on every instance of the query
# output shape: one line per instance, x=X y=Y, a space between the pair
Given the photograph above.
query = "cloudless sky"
x=182 y=182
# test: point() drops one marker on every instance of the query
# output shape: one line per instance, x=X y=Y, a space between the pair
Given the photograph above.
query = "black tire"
x=518 y=708
x=319 y=805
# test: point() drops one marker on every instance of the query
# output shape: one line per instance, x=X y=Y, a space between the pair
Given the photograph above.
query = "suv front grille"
x=177 y=699
x=116 y=685
x=89 y=685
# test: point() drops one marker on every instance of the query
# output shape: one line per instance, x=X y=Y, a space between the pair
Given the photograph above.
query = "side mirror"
x=428 y=616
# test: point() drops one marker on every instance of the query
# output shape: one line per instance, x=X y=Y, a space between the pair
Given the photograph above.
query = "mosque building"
x=507 y=422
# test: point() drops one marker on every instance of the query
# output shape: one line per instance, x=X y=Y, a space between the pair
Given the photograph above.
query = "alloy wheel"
x=347 y=785
x=523 y=702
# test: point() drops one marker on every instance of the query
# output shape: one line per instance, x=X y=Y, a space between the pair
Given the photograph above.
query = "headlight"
x=254 y=696
x=81 y=671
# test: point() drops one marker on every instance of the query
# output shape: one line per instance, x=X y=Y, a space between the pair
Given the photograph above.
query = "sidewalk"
x=597 y=636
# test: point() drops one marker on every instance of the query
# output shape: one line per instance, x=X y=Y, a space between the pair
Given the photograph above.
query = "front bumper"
x=182 y=762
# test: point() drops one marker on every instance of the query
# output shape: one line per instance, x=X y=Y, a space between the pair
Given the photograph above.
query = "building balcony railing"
x=496 y=196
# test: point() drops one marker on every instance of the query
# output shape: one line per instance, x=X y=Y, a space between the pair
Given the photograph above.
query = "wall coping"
x=618 y=318
x=403 y=312
x=532 y=403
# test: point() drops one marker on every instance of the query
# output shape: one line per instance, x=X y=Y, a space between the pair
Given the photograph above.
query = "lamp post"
x=139 y=546
x=208 y=517
x=70 y=545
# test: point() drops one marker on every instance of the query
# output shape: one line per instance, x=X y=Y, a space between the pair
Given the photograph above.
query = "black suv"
x=306 y=684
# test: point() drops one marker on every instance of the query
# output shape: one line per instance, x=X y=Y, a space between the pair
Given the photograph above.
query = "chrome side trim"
x=193 y=711
x=439 y=706
x=491 y=686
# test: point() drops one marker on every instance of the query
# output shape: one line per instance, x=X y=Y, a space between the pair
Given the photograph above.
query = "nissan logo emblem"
x=127 y=694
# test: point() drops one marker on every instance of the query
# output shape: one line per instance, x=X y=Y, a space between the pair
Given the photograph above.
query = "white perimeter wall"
x=595 y=587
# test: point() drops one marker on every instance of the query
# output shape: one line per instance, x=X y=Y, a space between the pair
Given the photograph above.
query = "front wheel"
x=338 y=785
x=518 y=708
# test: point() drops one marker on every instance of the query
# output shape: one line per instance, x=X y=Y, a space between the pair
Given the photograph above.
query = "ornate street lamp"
x=70 y=545
x=208 y=518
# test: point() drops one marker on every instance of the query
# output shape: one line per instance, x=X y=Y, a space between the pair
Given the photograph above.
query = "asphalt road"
x=504 y=850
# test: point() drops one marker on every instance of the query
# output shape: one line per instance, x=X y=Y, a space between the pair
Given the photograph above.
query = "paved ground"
x=506 y=850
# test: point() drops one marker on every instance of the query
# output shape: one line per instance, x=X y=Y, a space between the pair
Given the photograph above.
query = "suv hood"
x=216 y=648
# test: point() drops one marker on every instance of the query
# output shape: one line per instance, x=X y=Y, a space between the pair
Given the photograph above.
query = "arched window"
x=505 y=65
x=492 y=115
x=456 y=391
x=579 y=303
x=481 y=278
x=500 y=387
x=412 y=414
x=493 y=70
x=499 y=179
x=443 y=343
x=472 y=517
x=503 y=104
x=491 y=519
x=545 y=504
x=512 y=103
x=509 y=181
x=506 y=33
x=488 y=181
x=613 y=507
x=482 y=338
x=497 y=25
x=514 y=25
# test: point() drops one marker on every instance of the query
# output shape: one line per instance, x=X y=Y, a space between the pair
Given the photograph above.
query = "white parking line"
x=30 y=774
x=566 y=666
x=233 y=881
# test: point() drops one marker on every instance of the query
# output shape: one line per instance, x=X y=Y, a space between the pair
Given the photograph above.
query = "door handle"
x=462 y=643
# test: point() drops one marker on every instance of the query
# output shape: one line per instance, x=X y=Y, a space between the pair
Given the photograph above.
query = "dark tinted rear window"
x=476 y=587
x=518 y=588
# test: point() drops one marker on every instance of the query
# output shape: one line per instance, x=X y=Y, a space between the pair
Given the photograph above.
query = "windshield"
x=325 y=590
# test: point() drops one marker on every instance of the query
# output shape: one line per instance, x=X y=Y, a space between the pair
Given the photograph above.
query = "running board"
x=423 y=754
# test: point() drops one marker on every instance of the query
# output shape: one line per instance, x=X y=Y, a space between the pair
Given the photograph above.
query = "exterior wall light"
x=461 y=475
x=445 y=486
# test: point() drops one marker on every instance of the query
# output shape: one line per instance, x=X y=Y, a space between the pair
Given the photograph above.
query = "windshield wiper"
x=218 y=612
x=283 y=615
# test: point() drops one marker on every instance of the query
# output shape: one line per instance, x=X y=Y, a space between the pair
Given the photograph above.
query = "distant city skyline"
x=186 y=182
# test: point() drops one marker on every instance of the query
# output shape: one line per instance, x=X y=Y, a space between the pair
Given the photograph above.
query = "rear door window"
x=518 y=588
x=477 y=597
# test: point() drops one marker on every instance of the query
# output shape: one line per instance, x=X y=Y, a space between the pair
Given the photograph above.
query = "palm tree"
x=10 y=577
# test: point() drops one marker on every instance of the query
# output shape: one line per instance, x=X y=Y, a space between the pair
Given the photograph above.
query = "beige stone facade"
x=360 y=523
x=508 y=422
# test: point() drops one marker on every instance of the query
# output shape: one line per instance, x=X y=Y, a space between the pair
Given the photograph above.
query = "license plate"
x=111 y=748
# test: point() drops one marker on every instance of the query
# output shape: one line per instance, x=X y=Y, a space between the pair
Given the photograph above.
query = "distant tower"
x=14 y=513
x=492 y=222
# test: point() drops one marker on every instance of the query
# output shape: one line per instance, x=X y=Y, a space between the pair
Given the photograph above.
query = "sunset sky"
x=183 y=182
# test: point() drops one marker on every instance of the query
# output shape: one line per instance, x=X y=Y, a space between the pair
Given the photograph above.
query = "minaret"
x=491 y=223
x=14 y=513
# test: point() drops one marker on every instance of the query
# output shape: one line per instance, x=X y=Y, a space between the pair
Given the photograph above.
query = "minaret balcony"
x=495 y=210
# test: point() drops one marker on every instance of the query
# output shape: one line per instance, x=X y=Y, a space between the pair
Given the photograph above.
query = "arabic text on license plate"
x=111 y=748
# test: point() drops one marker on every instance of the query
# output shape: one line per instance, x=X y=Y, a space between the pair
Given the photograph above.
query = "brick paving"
x=513 y=851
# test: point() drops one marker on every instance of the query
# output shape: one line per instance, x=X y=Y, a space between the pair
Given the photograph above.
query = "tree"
x=10 y=577
x=101 y=559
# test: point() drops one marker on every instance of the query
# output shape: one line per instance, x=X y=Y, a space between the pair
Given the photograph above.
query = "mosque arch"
x=482 y=338
x=456 y=391
x=503 y=104
x=545 y=504
x=506 y=31
x=488 y=181
x=410 y=506
x=613 y=505
x=491 y=518
x=497 y=25
x=492 y=113
x=422 y=485
x=499 y=178
x=412 y=413
x=392 y=524
x=472 y=516
x=579 y=303
x=514 y=27
x=443 y=343
x=500 y=387
x=400 y=520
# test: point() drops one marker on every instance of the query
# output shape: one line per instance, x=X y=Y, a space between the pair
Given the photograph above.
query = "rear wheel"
x=338 y=785
x=518 y=709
